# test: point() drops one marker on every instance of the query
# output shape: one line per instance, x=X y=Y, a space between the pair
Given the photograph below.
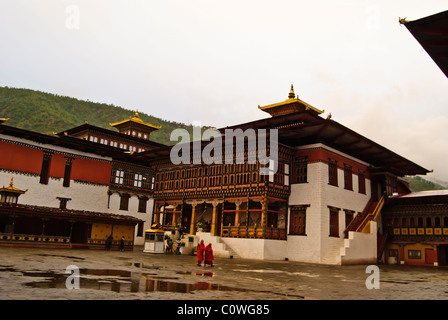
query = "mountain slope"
x=48 y=113
x=419 y=184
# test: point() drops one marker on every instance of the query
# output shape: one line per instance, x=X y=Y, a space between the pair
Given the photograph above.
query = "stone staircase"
x=220 y=249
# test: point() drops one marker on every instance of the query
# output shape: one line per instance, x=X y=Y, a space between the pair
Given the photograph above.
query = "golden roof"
x=275 y=109
x=155 y=228
x=3 y=120
x=11 y=188
x=135 y=119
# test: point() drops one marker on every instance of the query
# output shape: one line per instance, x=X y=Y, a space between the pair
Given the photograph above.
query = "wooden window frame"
x=124 y=201
x=45 y=169
x=332 y=172
x=300 y=170
x=414 y=254
x=67 y=172
x=361 y=182
x=142 y=204
x=334 y=222
x=348 y=177
x=297 y=223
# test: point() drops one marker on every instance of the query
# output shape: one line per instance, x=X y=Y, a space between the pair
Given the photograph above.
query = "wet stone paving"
x=36 y=273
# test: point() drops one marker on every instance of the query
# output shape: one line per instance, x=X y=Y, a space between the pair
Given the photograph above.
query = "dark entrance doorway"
x=442 y=254
x=219 y=209
x=80 y=232
x=186 y=217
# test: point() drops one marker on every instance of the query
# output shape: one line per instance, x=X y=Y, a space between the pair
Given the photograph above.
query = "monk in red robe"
x=209 y=255
x=200 y=252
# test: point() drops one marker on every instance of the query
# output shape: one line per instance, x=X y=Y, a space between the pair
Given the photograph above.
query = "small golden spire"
x=136 y=114
x=12 y=181
x=291 y=93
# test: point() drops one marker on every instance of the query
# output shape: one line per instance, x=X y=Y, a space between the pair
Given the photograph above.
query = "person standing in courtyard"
x=122 y=244
x=200 y=252
x=109 y=242
x=208 y=255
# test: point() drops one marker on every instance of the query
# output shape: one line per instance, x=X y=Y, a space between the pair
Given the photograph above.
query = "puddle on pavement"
x=61 y=256
x=128 y=281
x=145 y=266
x=123 y=281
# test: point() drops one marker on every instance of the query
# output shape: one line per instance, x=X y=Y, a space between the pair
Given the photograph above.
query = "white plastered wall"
x=114 y=207
x=317 y=246
x=84 y=196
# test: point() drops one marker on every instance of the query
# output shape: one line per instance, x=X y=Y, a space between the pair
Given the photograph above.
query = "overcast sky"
x=216 y=61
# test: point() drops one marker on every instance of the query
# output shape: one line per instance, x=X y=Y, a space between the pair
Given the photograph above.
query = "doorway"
x=442 y=254
x=430 y=256
x=187 y=210
x=80 y=232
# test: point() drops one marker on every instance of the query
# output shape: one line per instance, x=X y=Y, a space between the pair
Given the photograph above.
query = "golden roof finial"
x=136 y=114
x=291 y=93
x=11 y=188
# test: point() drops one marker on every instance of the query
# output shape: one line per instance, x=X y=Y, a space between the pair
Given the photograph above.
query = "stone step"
x=220 y=249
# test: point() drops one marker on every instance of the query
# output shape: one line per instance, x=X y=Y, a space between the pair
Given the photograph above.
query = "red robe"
x=200 y=253
x=209 y=255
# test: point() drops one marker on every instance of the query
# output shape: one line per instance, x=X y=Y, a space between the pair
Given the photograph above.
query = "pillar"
x=214 y=218
x=264 y=214
x=238 y=203
x=43 y=226
x=173 y=221
x=193 y=217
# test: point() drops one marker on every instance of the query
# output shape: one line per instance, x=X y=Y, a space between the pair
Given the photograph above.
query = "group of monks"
x=205 y=253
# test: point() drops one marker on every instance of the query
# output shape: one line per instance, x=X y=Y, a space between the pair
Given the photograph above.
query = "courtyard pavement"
x=42 y=274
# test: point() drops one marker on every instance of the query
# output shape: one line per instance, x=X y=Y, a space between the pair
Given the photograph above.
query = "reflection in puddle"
x=180 y=287
x=127 y=281
x=205 y=274
x=61 y=256
x=123 y=281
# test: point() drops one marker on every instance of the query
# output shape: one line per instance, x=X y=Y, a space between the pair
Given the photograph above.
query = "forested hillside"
x=48 y=113
x=419 y=184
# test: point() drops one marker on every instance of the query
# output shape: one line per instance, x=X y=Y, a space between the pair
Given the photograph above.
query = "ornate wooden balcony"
x=253 y=232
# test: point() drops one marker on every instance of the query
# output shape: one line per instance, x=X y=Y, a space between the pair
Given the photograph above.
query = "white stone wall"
x=360 y=248
x=114 y=207
x=306 y=248
x=259 y=249
x=317 y=246
x=84 y=196
x=88 y=197
x=343 y=199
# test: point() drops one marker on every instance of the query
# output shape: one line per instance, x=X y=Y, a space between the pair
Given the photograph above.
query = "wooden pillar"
x=264 y=215
x=237 y=214
x=193 y=217
x=401 y=254
x=214 y=217
x=173 y=220
x=43 y=226
x=155 y=217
